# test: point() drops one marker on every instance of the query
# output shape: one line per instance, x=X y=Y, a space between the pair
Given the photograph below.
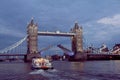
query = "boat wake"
x=52 y=70
x=45 y=73
x=37 y=72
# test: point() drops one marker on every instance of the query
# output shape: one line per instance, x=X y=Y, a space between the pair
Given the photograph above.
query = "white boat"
x=41 y=63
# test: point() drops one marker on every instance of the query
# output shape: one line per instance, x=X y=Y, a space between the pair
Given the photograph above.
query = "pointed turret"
x=31 y=22
x=76 y=25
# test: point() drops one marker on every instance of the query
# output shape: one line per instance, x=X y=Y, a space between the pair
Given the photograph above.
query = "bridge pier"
x=28 y=57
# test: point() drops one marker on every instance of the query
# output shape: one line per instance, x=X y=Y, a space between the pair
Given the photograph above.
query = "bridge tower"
x=77 y=42
x=32 y=41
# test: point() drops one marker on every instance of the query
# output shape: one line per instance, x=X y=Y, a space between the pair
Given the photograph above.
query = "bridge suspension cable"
x=13 y=46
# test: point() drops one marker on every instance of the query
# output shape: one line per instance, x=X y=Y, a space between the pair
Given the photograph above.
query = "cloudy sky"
x=100 y=20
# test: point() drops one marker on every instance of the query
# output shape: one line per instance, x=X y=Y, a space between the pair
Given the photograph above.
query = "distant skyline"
x=100 y=20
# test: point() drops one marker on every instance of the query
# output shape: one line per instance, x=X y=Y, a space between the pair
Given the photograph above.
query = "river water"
x=63 y=70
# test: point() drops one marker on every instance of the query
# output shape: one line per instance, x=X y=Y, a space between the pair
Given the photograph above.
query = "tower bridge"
x=32 y=39
x=32 y=44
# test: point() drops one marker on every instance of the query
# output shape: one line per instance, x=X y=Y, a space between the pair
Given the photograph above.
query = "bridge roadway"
x=90 y=56
x=11 y=54
x=57 y=33
x=102 y=56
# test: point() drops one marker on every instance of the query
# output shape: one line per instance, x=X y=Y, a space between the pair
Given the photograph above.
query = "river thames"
x=63 y=70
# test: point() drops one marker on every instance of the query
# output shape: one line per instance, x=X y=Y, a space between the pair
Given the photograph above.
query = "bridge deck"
x=12 y=54
x=91 y=54
x=103 y=56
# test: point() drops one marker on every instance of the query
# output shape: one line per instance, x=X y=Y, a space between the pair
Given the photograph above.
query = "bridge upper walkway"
x=57 y=33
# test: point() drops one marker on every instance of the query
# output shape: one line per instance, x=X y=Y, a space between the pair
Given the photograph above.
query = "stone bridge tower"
x=32 y=41
x=77 y=42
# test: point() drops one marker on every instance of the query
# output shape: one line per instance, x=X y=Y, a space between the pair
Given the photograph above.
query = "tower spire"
x=76 y=25
x=32 y=21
